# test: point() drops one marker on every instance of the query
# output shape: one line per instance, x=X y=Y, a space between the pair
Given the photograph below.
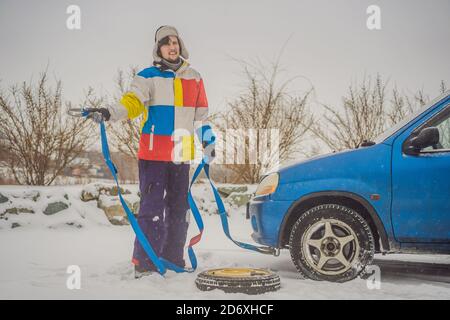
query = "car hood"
x=333 y=164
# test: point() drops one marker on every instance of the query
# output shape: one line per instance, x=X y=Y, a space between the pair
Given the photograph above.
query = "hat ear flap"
x=156 y=57
x=184 y=52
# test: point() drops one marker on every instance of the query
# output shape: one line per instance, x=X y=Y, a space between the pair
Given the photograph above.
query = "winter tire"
x=331 y=242
x=238 y=280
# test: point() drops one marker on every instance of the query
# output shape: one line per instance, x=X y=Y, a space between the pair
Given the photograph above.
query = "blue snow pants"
x=163 y=211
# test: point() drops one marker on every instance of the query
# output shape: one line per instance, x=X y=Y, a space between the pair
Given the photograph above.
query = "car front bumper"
x=266 y=217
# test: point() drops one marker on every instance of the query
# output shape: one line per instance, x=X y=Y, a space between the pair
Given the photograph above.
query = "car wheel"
x=331 y=242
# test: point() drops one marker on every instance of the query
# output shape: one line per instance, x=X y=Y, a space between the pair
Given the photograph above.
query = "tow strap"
x=162 y=264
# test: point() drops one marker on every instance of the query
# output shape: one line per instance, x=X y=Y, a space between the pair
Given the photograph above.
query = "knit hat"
x=163 y=32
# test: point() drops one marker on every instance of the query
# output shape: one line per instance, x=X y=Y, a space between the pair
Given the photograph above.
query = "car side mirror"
x=426 y=138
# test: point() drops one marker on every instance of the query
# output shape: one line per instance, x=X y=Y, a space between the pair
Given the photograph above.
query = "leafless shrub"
x=367 y=110
x=37 y=136
x=265 y=103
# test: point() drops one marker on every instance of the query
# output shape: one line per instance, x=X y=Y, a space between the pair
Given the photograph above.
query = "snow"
x=36 y=255
x=81 y=213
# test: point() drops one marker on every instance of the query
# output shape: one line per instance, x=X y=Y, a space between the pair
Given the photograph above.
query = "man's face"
x=171 y=51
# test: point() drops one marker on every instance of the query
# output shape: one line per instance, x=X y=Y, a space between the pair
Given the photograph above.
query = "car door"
x=421 y=183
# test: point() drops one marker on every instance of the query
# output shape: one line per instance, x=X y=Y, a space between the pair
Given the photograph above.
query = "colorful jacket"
x=173 y=106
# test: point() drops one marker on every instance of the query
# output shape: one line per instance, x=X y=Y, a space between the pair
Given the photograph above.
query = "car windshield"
x=386 y=134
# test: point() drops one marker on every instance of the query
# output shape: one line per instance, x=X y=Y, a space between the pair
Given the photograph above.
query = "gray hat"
x=163 y=32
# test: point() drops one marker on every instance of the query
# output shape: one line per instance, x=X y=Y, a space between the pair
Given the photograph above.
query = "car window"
x=443 y=125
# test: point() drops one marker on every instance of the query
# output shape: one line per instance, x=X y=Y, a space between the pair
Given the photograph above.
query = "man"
x=171 y=98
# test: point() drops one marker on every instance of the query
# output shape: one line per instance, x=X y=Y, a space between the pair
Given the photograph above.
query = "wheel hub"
x=330 y=247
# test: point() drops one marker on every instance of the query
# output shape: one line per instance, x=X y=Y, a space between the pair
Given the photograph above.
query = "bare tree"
x=265 y=104
x=361 y=119
x=40 y=140
x=125 y=134
x=366 y=112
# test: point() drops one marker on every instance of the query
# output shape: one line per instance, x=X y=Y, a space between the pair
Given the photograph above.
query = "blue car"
x=334 y=212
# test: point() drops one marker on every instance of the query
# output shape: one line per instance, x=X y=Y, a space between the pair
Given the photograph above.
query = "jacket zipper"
x=151 y=137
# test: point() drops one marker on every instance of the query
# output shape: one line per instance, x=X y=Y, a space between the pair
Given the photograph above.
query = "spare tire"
x=238 y=280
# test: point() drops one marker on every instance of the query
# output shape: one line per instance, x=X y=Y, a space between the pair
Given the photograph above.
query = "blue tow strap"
x=224 y=220
x=162 y=264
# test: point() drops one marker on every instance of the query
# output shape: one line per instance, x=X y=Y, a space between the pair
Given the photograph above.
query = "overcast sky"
x=329 y=43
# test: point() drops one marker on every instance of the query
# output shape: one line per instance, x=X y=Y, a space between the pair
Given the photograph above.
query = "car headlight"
x=268 y=185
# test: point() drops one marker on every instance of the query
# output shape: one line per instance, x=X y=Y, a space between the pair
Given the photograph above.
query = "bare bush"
x=265 y=104
x=125 y=134
x=38 y=138
x=367 y=110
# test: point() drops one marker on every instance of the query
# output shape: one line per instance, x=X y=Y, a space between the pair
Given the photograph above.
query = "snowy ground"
x=34 y=260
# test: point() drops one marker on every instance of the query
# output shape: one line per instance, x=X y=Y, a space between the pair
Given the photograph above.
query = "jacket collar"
x=181 y=69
